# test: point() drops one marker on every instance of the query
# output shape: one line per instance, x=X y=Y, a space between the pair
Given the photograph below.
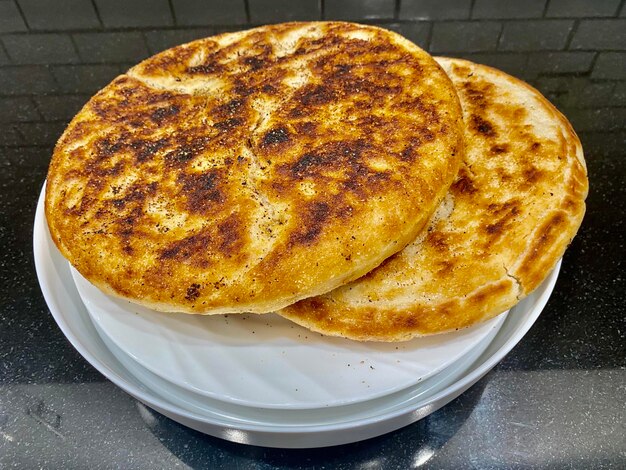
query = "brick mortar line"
x=21 y=12
x=593 y=62
x=500 y=33
x=172 y=12
x=36 y=106
x=41 y=121
x=589 y=107
x=145 y=44
x=75 y=46
x=20 y=133
x=381 y=21
x=5 y=50
x=620 y=8
x=396 y=10
x=471 y=12
x=56 y=95
x=246 y=7
x=95 y=8
x=571 y=35
x=494 y=52
x=57 y=83
x=545 y=9
x=28 y=146
x=65 y=64
x=563 y=75
x=145 y=40
x=429 y=36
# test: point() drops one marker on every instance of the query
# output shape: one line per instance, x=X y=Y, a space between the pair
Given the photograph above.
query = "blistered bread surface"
x=248 y=170
x=514 y=207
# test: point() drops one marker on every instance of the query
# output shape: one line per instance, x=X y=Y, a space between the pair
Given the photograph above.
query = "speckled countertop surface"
x=558 y=400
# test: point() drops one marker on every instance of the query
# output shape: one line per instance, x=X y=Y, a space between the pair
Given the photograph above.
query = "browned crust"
x=400 y=324
x=554 y=235
x=236 y=173
x=515 y=206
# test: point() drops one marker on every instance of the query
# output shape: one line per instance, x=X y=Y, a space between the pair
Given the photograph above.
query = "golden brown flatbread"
x=246 y=171
x=516 y=204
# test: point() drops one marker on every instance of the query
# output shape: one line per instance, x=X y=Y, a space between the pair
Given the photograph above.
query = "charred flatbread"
x=516 y=204
x=246 y=171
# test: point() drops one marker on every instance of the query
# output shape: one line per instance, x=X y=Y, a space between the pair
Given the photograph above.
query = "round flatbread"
x=516 y=204
x=245 y=171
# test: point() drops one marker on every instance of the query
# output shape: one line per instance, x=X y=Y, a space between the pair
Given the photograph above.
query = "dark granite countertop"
x=558 y=400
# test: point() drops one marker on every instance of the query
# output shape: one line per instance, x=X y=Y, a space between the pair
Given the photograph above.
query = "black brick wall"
x=10 y=18
x=83 y=78
x=111 y=47
x=198 y=13
x=435 y=9
x=58 y=14
x=55 y=53
x=26 y=80
x=505 y=10
x=534 y=35
x=45 y=48
x=130 y=13
x=18 y=109
x=582 y=8
x=59 y=107
x=273 y=11
x=4 y=58
x=600 y=34
x=159 y=39
x=359 y=9
x=561 y=62
x=465 y=36
x=417 y=31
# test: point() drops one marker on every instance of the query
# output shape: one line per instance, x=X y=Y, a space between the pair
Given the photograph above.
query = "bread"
x=515 y=205
x=246 y=171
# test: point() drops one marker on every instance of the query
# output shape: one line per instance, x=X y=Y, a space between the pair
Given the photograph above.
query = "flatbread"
x=237 y=173
x=516 y=204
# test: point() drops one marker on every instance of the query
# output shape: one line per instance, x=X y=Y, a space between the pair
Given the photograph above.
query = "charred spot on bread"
x=513 y=208
x=225 y=161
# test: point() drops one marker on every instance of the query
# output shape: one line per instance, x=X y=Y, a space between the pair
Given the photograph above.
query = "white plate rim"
x=82 y=284
x=187 y=400
x=295 y=437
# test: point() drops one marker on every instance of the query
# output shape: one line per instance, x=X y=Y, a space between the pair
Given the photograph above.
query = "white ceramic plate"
x=205 y=406
x=267 y=361
x=306 y=430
